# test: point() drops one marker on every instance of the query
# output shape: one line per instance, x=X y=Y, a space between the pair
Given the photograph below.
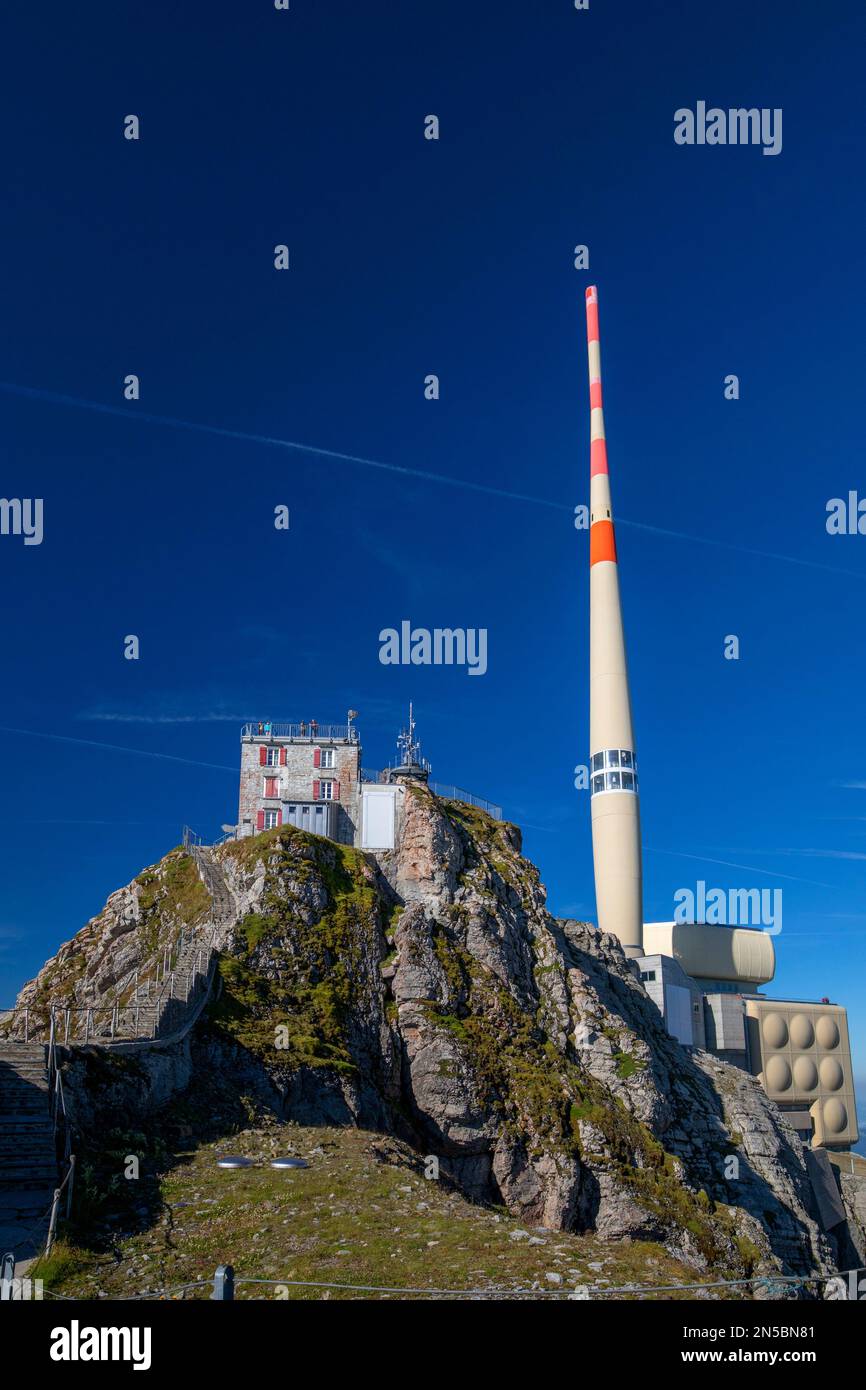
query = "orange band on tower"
x=602 y=543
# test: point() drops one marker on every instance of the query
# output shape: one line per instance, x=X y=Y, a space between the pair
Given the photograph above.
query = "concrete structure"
x=743 y=957
x=703 y=978
x=799 y=1051
x=616 y=848
x=802 y=1055
x=305 y=774
x=677 y=998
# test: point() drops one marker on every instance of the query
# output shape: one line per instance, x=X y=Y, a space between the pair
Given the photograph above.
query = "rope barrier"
x=775 y=1283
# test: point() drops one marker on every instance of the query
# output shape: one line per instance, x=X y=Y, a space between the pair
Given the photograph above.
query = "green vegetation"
x=290 y=990
x=362 y=1213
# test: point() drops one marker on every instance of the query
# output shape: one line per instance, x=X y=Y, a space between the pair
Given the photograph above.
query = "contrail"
x=465 y=484
x=55 y=398
x=749 y=868
x=115 y=748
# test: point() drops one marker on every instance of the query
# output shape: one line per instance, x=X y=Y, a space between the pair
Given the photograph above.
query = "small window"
x=598 y=782
x=272 y=819
x=648 y=976
x=597 y=762
x=613 y=757
x=628 y=781
x=613 y=782
x=273 y=757
x=272 y=786
x=626 y=759
x=326 y=791
x=326 y=757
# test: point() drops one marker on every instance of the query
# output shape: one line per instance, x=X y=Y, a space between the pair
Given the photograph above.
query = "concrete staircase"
x=28 y=1163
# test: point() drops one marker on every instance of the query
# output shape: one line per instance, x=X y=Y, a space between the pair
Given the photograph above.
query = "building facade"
x=305 y=774
x=798 y=1049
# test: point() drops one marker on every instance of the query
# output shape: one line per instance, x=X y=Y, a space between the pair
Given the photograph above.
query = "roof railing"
x=303 y=732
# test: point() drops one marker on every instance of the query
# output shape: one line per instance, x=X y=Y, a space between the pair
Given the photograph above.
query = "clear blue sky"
x=410 y=257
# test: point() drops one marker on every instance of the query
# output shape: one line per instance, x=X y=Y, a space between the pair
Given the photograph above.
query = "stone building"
x=305 y=774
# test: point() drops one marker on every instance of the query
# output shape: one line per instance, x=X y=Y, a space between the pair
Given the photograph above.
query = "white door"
x=377 y=817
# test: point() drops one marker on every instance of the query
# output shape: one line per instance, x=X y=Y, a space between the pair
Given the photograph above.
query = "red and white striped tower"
x=616 y=848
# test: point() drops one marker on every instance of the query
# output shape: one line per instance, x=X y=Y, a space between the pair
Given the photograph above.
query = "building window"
x=648 y=976
x=326 y=791
x=273 y=757
x=622 y=771
x=272 y=819
x=326 y=757
x=272 y=786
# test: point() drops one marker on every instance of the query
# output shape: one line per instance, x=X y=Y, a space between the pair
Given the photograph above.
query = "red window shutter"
x=279 y=817
x=317 y=757
x=263 y=756
x=260 y=820
x=336 y=791
x=316 y=791
x=282 y=757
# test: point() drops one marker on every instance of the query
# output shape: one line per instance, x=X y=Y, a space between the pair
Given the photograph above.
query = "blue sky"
x=455 y=257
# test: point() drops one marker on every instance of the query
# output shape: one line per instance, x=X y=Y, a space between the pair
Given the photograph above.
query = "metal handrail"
x=347 y=732
x=458 y=794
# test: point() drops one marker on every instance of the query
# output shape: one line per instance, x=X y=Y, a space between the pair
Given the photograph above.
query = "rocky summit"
x=427 y=993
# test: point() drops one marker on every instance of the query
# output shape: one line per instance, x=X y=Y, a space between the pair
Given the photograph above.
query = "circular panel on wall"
x=802 y=1032
x=778 y=1074
x=827 y=1032
x=775 y=1030
x=831 y=1074
x=835 y=1116
x=805 y=1074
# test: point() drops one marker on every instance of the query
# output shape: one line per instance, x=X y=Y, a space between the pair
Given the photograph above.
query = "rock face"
x=427 y=991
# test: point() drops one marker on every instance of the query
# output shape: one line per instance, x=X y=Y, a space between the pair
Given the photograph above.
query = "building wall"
x=295 y=778
x=676 y=997
x=725 y=1022
x=802 y=1056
